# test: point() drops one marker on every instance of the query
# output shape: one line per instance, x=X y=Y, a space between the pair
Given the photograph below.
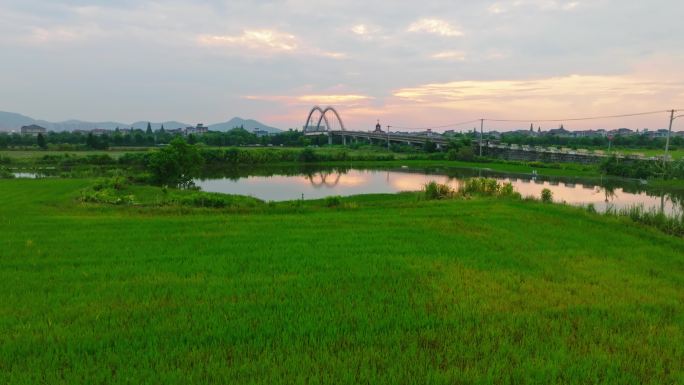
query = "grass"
x=389 y=289
x=32 y=155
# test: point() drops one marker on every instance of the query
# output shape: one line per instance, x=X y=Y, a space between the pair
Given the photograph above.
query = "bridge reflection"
x=324 y=179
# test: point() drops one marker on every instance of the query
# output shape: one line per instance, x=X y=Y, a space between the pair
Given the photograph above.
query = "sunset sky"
x=408 y=63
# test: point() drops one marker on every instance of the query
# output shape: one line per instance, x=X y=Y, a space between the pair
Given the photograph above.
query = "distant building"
x=622 y=132
x=589 y=133
x=259 y=133
x=561 y=132
x=33 y=130
x=197 y=130
x=100 y=132
x=378 y=127
x=175 y=131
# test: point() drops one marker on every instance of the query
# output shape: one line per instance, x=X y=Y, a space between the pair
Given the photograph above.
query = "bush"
x=546 y=196
x=176 y=164
x=215 y=200
x=487 y=187
x=464 y=154
x=5 y=173
x=631 y=168
x=307 y=155
x=115 y=183
x=107 y=195
x=480 y=186
x=429 y=147
x=333 y=201
x=434 y=190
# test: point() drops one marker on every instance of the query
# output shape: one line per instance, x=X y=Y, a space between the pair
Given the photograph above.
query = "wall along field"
x=380 y=289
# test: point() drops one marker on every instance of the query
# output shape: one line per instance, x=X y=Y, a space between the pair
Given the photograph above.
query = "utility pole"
x=388 y=137
x=481 y=133
x=669 y=132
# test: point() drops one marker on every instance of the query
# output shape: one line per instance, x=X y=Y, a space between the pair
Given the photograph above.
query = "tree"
x=429 y=147
x=176 y=164
x=192 y=139
x=149 y=129
x=91 y=141
x=41 y=141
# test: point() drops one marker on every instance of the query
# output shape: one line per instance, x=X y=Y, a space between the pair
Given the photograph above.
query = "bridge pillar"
x=344 y=140
x=329 y=139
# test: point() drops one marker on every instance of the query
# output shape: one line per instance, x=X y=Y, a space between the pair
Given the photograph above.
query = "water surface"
x=316 y=184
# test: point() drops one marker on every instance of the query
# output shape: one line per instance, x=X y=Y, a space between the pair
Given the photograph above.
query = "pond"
x=289 y=184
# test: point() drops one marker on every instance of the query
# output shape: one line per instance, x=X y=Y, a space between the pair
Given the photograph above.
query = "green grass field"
x=383 y=290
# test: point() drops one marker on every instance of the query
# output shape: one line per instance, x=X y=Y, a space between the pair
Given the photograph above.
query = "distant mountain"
x=247 y=124
x=10 y=121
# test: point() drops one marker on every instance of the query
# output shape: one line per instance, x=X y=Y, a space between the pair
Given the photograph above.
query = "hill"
x=10 y=121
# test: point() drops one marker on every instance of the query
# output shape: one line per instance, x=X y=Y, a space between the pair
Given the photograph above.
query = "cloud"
x=553 y=97
x=360 y=29
x=267 y=41
x=314 y=99
x=548 y=5
x=449 y=55
x=555 y=87
x=435 y=27
x=258 y=40
x=331 y=54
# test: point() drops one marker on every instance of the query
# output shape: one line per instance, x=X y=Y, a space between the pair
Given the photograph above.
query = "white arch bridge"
x=329 y=122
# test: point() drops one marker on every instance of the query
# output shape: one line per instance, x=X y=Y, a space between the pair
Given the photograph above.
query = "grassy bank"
x=336 y=156
x=381 y=289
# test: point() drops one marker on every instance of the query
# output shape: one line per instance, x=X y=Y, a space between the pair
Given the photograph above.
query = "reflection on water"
x=315 y=184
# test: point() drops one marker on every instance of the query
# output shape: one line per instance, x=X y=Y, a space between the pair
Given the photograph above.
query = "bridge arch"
x=323 y=117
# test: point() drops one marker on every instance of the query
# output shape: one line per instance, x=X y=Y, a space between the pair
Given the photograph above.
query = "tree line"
x=147 y=138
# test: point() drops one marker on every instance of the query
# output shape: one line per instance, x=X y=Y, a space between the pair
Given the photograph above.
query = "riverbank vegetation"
x=377 y=289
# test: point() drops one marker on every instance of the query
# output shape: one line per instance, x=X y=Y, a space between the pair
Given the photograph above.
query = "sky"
x=411 y=64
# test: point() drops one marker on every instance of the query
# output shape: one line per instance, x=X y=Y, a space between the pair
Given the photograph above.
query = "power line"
x=435 y=127
x=539 y=120
x=577 y=119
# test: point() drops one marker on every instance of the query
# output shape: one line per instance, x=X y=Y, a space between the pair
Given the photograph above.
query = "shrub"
x=480 y=186
x=107 y=195
x=116 y=183
x=507 y=190
x=307 y=155
x=215 y=200
x=591 y=208
x=546 y=196
x=5 y=173
x=176 y=164
x=434 y=190
x=333 y=201
x=463 y=154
